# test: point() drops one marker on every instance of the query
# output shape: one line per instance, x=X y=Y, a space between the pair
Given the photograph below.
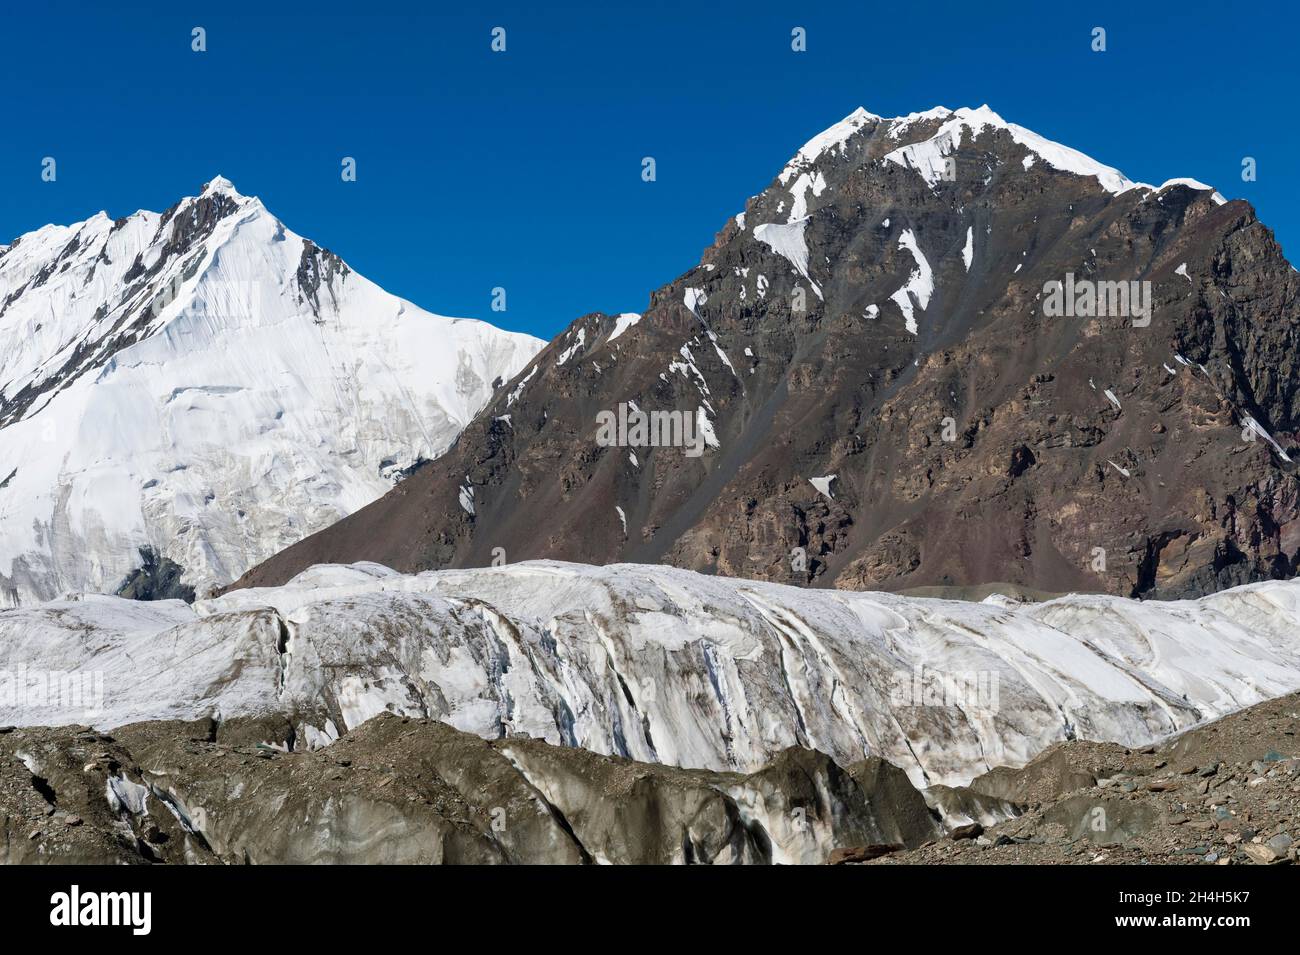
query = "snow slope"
x=666 y=665
x=208 y=384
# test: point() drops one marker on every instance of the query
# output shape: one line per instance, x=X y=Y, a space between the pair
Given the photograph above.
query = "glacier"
x=660 y=664
x=208 y=385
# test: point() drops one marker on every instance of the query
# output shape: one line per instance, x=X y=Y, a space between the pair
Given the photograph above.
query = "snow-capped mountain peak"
x=893 y=271
x=828 y=139
x=926 y=155
x=208 y=386
x=219 y=184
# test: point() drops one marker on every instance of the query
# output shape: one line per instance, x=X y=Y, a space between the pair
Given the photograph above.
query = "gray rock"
x=419 y=791
x=1280 y=843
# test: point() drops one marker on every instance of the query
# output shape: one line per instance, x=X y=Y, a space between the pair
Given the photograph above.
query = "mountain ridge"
x=207 y=385
x=899 y=269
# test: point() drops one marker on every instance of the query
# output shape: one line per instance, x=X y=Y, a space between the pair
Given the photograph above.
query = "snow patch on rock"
x=919 y=286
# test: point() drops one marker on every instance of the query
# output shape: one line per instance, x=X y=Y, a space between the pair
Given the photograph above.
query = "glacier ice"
x=666 y=665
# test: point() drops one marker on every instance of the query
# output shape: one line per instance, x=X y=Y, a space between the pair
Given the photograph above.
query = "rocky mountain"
x=184 y=394
x=412 y=790
x=415 y=791
x=1227 y=793
x=658 y=664
x=938 y=350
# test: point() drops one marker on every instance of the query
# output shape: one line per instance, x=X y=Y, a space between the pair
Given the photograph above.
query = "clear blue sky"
x=522 y=169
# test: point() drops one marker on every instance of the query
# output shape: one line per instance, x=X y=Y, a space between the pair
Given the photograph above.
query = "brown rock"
x=1037 y=470
x=1259 y=854
x=849 y=854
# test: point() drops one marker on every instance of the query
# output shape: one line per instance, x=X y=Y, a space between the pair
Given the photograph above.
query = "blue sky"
x=523 y=169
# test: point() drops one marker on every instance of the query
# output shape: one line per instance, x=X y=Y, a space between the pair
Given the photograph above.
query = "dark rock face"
x=157 y=578
x=1226 y=792
x=399 y=790
x=71 y=795
x=994 y=443
x=318 y=269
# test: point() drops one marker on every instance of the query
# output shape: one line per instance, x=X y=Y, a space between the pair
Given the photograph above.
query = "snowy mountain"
x=184 y=394
x=659 y=664
x=886 y=397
